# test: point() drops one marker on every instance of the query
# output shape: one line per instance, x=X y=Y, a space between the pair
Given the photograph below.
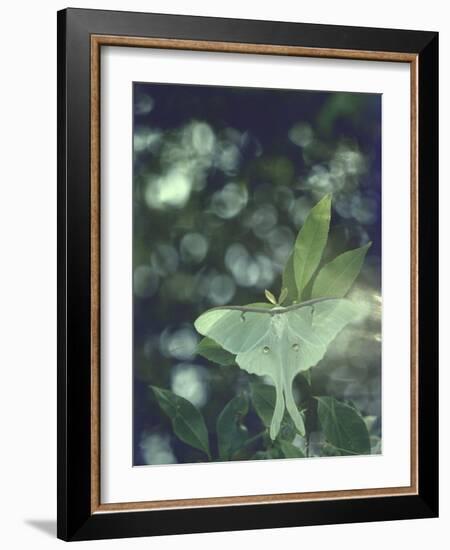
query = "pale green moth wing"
x=278 y=345
x=331 y=316
x=309 y=332
x=226 y=327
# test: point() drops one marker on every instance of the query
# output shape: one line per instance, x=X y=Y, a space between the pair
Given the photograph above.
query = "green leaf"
x=336 y=278
x=370 y=422
x=307 y=376
x=287 y=429
x=288 y=280
x=187 y=420
x=270 y=297
x=289 y=450
x=268 y=454
x=231 y=433
x=343 y=426
x=212 y=351
x=375 y=443
x=310 y=243
x=283 y=296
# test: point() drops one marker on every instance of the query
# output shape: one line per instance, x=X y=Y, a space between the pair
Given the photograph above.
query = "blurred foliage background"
x=223 y=179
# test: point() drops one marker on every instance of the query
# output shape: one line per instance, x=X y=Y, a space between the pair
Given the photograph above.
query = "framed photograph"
x=247 y=245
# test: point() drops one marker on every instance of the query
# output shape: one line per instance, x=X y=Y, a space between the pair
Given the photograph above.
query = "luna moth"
x=279 y=342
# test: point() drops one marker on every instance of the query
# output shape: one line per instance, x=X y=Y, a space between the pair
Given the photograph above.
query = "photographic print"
x=256 y=274
x=247 y=322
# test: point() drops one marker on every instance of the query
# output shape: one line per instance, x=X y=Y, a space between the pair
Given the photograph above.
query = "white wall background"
x=28 y=271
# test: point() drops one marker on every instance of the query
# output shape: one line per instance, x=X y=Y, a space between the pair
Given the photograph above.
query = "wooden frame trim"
x=235 y=47
x=262 y=49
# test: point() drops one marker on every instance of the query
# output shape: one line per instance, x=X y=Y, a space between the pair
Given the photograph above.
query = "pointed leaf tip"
x=283 y=296
x=187 y=421
x=310 y=243
x=270 y=297
x=337 y=277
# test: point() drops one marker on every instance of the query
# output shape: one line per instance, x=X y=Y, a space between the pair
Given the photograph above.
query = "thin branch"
x=275 y=310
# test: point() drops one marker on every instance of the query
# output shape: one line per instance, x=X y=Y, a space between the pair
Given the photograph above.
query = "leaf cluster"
x=344 y=430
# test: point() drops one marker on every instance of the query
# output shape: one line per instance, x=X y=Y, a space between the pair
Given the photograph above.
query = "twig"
x=273 y=311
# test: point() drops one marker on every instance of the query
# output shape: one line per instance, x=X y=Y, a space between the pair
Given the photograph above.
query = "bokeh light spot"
x=172 y=189
x=143 y=104
x=180 y=344
x=193 y=247
x=229 y=201
x=301 y=134
x=190 y=381
x=145 y=281
x=164 y=259
x=221 y=289
x=156 y=449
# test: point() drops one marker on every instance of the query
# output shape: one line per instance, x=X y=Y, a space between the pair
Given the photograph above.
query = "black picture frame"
x=76 y=520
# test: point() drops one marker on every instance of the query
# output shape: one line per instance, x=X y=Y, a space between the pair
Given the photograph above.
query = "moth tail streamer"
x=278 y=414
x=295 y=414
